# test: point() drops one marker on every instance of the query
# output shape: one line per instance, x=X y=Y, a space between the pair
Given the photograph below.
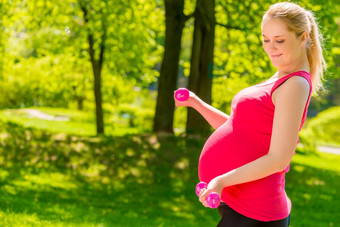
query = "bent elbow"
x=280 y=163
x=282 y=166
x=283 y=163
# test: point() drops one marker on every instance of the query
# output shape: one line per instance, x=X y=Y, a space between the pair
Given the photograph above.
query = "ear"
x=304 y=38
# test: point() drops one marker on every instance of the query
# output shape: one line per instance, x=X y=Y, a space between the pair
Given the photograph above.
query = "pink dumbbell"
x=213 y=198
x=182 y=94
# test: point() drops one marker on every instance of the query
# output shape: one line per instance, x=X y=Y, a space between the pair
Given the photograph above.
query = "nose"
x=272 y=46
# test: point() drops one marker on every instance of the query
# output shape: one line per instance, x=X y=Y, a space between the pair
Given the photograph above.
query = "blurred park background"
x=89 y=135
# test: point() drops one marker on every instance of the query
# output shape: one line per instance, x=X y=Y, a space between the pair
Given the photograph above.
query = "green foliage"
x=238 y=45
x=225 y=89
x=49 y=81
x=118 y=90
x=136 y=116
x=306 y=145
x=44 y=59
x=180 y=118
x=47 y=62
x=129 y=40
x=324 y=128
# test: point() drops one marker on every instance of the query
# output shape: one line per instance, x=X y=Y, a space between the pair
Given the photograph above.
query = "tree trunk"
x=96 y=67
x=200 y=79
x=98 y=97
x=175 y=20
x=80 y=102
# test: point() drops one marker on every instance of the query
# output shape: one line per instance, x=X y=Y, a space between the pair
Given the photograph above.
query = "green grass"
x=81 y=123
x=313 y=186
x=65 y=180
x=59 y=179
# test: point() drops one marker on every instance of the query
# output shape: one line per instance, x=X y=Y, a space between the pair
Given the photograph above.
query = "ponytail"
x=314 y=52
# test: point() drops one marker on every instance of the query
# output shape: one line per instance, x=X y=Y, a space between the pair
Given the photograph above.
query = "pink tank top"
x=244 y=138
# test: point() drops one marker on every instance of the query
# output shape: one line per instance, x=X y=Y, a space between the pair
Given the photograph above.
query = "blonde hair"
x=299 y=20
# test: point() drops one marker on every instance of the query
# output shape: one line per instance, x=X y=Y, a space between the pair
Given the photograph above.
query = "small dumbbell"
x=213 y=198
x=182 y=94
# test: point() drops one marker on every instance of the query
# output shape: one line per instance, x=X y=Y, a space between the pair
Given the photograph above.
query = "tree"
x=201 y=67
x=112 y=36
x=124 y=28
x=175 y=21
x=96 y=56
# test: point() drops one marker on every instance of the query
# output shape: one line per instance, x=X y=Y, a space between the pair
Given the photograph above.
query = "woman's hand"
x=214 y=116
x=215 y=185
x=189 y=102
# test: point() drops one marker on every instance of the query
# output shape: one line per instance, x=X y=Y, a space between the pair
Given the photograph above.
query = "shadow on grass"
x=135 y=180
x=118 y=181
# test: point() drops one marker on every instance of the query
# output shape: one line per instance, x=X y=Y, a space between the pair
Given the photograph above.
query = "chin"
x=276 y=64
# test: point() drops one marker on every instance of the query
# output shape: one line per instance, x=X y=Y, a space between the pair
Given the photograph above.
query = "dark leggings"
x=230 y=218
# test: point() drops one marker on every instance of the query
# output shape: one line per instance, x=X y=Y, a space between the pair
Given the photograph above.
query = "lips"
x=275 y=56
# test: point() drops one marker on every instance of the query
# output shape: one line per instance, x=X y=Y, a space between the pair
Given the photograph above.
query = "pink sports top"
x=243 y=138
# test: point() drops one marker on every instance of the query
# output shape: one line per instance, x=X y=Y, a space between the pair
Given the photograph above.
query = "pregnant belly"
x=217 y=154
x=216 y=160
x=226 y=150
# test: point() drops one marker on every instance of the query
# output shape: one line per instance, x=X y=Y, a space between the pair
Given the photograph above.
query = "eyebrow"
x=274 y=36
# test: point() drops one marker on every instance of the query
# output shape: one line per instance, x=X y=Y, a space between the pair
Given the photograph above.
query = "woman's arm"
x=214 y=116
x=290 y=100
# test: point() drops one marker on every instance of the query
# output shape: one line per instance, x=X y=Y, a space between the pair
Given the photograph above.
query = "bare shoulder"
x=295 y=88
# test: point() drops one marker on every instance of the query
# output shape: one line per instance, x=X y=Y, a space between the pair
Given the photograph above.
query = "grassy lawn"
x=51 y=178
x=80 y=122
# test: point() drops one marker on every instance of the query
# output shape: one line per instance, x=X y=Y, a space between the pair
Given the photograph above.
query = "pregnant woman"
x=245 y=160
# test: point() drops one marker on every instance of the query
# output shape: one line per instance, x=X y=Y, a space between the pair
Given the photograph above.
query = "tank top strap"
x=303 y=74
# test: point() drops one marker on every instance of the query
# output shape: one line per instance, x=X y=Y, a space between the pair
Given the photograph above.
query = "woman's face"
x=282 y=46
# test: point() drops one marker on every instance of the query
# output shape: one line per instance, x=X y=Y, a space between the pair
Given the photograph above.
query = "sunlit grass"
x=44 y=199
x=60 y=179
x=75 y=122
x=313 y=186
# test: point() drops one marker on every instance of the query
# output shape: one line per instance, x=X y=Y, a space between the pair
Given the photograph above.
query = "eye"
x=280 y=41
x=266 y=41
